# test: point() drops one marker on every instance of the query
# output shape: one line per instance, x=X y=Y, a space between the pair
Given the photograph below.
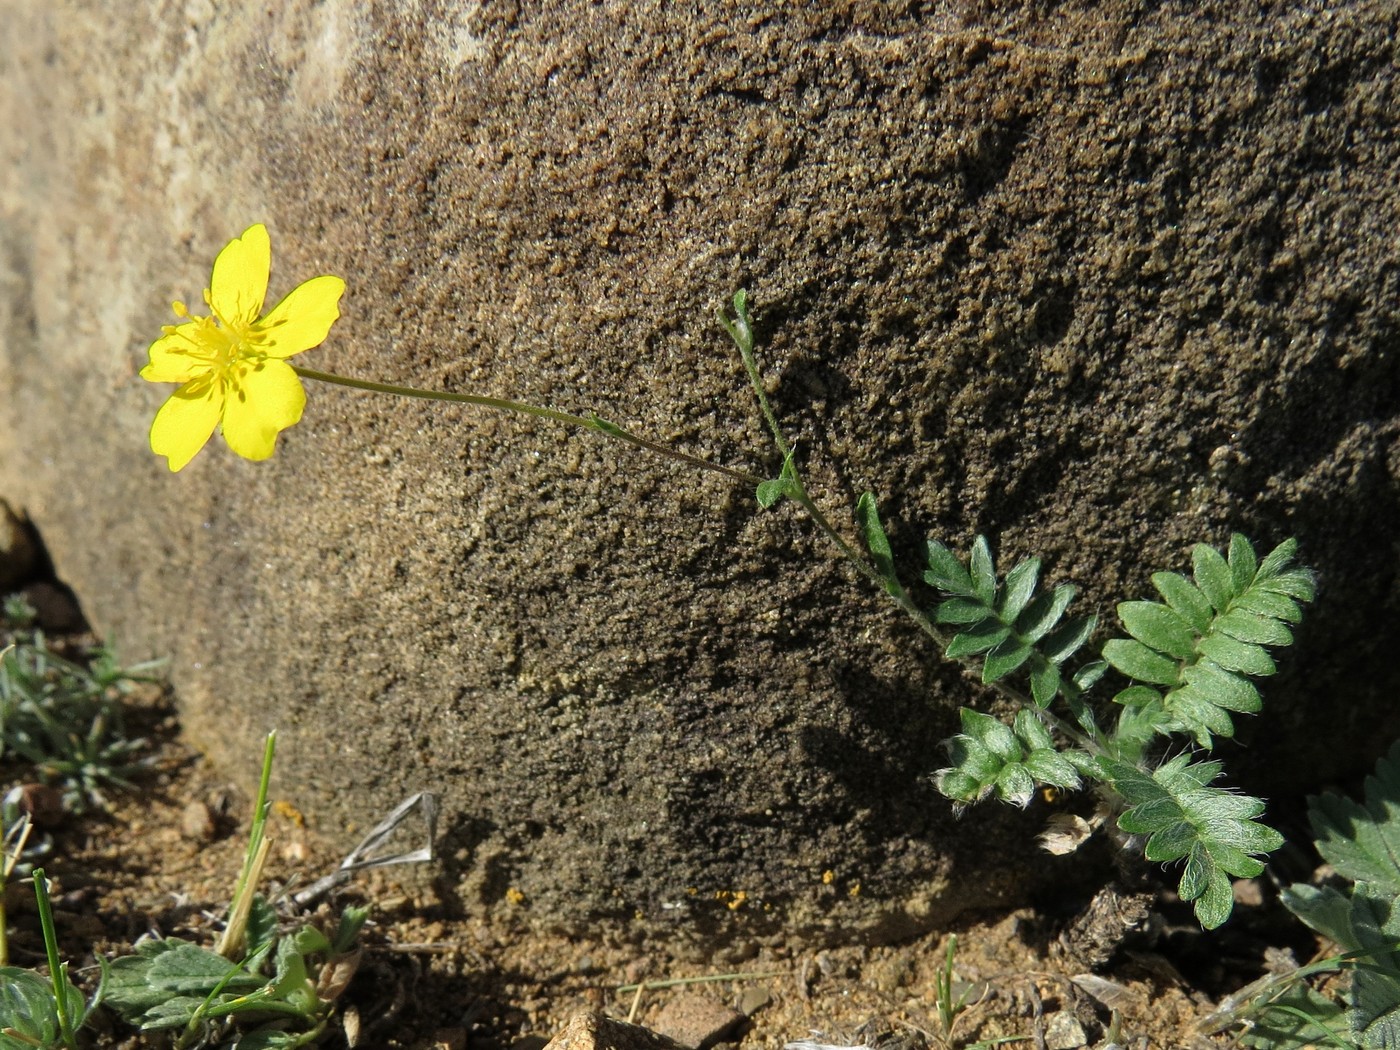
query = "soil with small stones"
x=162 y=861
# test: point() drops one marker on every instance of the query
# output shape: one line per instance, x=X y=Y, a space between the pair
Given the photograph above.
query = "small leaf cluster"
x=173 y=984
x=989 y=755
x=1007 y=623
x=1183 y=817
x=65 y=718
x=1189 y=659
x=1361 y=840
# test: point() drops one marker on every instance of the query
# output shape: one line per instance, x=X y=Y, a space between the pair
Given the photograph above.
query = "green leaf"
x=164 y=971
x=352 y=920
x=1171 y=842
x=1065 y=640
x=1159 y=627
x=1297 y=1018
x=1222 y=688
x=309 y=941
x=1015 y=784
x=1152 y=817
x=1031 y=731
x=785 y=484
x=1045 y=682
x=603 y=426
x=1086 y=677
x=770 y=492
x=1267 y=603
x=1198 y=715
x=973 y=759
x=1019 y=589
x=1324 y=908
x=958 y=785
x=991 y=733
x=1362 y=839
x=984 y=576
x=1185 y=598
x=1234 y=655
x=262 y=926
x=977 y=639
x=1214 y=904
x=1051 y=767
x=1277 y=560
x=1243 y=564
x=1245 y=626
x=1044 y=613
x=963 y=610
x=1185 y=817
x=1296 y=583
x=1376 y=986
x=1138 y=696
x=28 y=1009
x=1006 y=657
x=877 y=542
x=947 y=573
x=1137 y=661
x=1213 y=576
x=269 y=1039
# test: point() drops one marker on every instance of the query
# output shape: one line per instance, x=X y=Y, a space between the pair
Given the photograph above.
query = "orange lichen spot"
x=738 y=901
x=854 y=891
x=514 y=897
x=828 y=877
x=287 y=811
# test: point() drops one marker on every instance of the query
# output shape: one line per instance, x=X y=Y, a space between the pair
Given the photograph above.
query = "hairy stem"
x=590 y=423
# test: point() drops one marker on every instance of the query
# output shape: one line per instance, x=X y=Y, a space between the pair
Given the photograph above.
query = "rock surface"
x=1099 y=281
x=594 y=1031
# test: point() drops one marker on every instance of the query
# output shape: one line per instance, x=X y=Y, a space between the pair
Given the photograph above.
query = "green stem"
x=740 y=330
x=231 y=942
x=591 y=422
x=57 y=974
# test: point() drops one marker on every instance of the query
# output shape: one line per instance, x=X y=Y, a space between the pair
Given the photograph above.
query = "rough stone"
x=698 y=1020
x=1099 y=281
x=594 y=1031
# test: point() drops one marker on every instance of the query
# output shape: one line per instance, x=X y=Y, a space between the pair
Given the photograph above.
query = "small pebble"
x=197 y=822
x=449 y=1039
x=1064 y=1032
x=698 y=1020
x=43 y=803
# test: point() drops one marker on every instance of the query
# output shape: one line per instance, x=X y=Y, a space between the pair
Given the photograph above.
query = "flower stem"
x=590 y=422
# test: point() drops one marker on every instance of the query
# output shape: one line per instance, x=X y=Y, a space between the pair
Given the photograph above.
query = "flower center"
x=219 y=347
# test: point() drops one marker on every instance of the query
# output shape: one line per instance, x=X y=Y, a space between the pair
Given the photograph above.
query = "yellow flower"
x=232 y=367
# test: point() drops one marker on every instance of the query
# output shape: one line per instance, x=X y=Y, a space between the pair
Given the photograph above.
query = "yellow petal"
x=302 y=320
x=170 y=360
x=185 y=421
x=265 y=398
x=239 y=283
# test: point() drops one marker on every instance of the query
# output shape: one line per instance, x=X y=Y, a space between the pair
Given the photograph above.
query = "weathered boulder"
x=1099 y=281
